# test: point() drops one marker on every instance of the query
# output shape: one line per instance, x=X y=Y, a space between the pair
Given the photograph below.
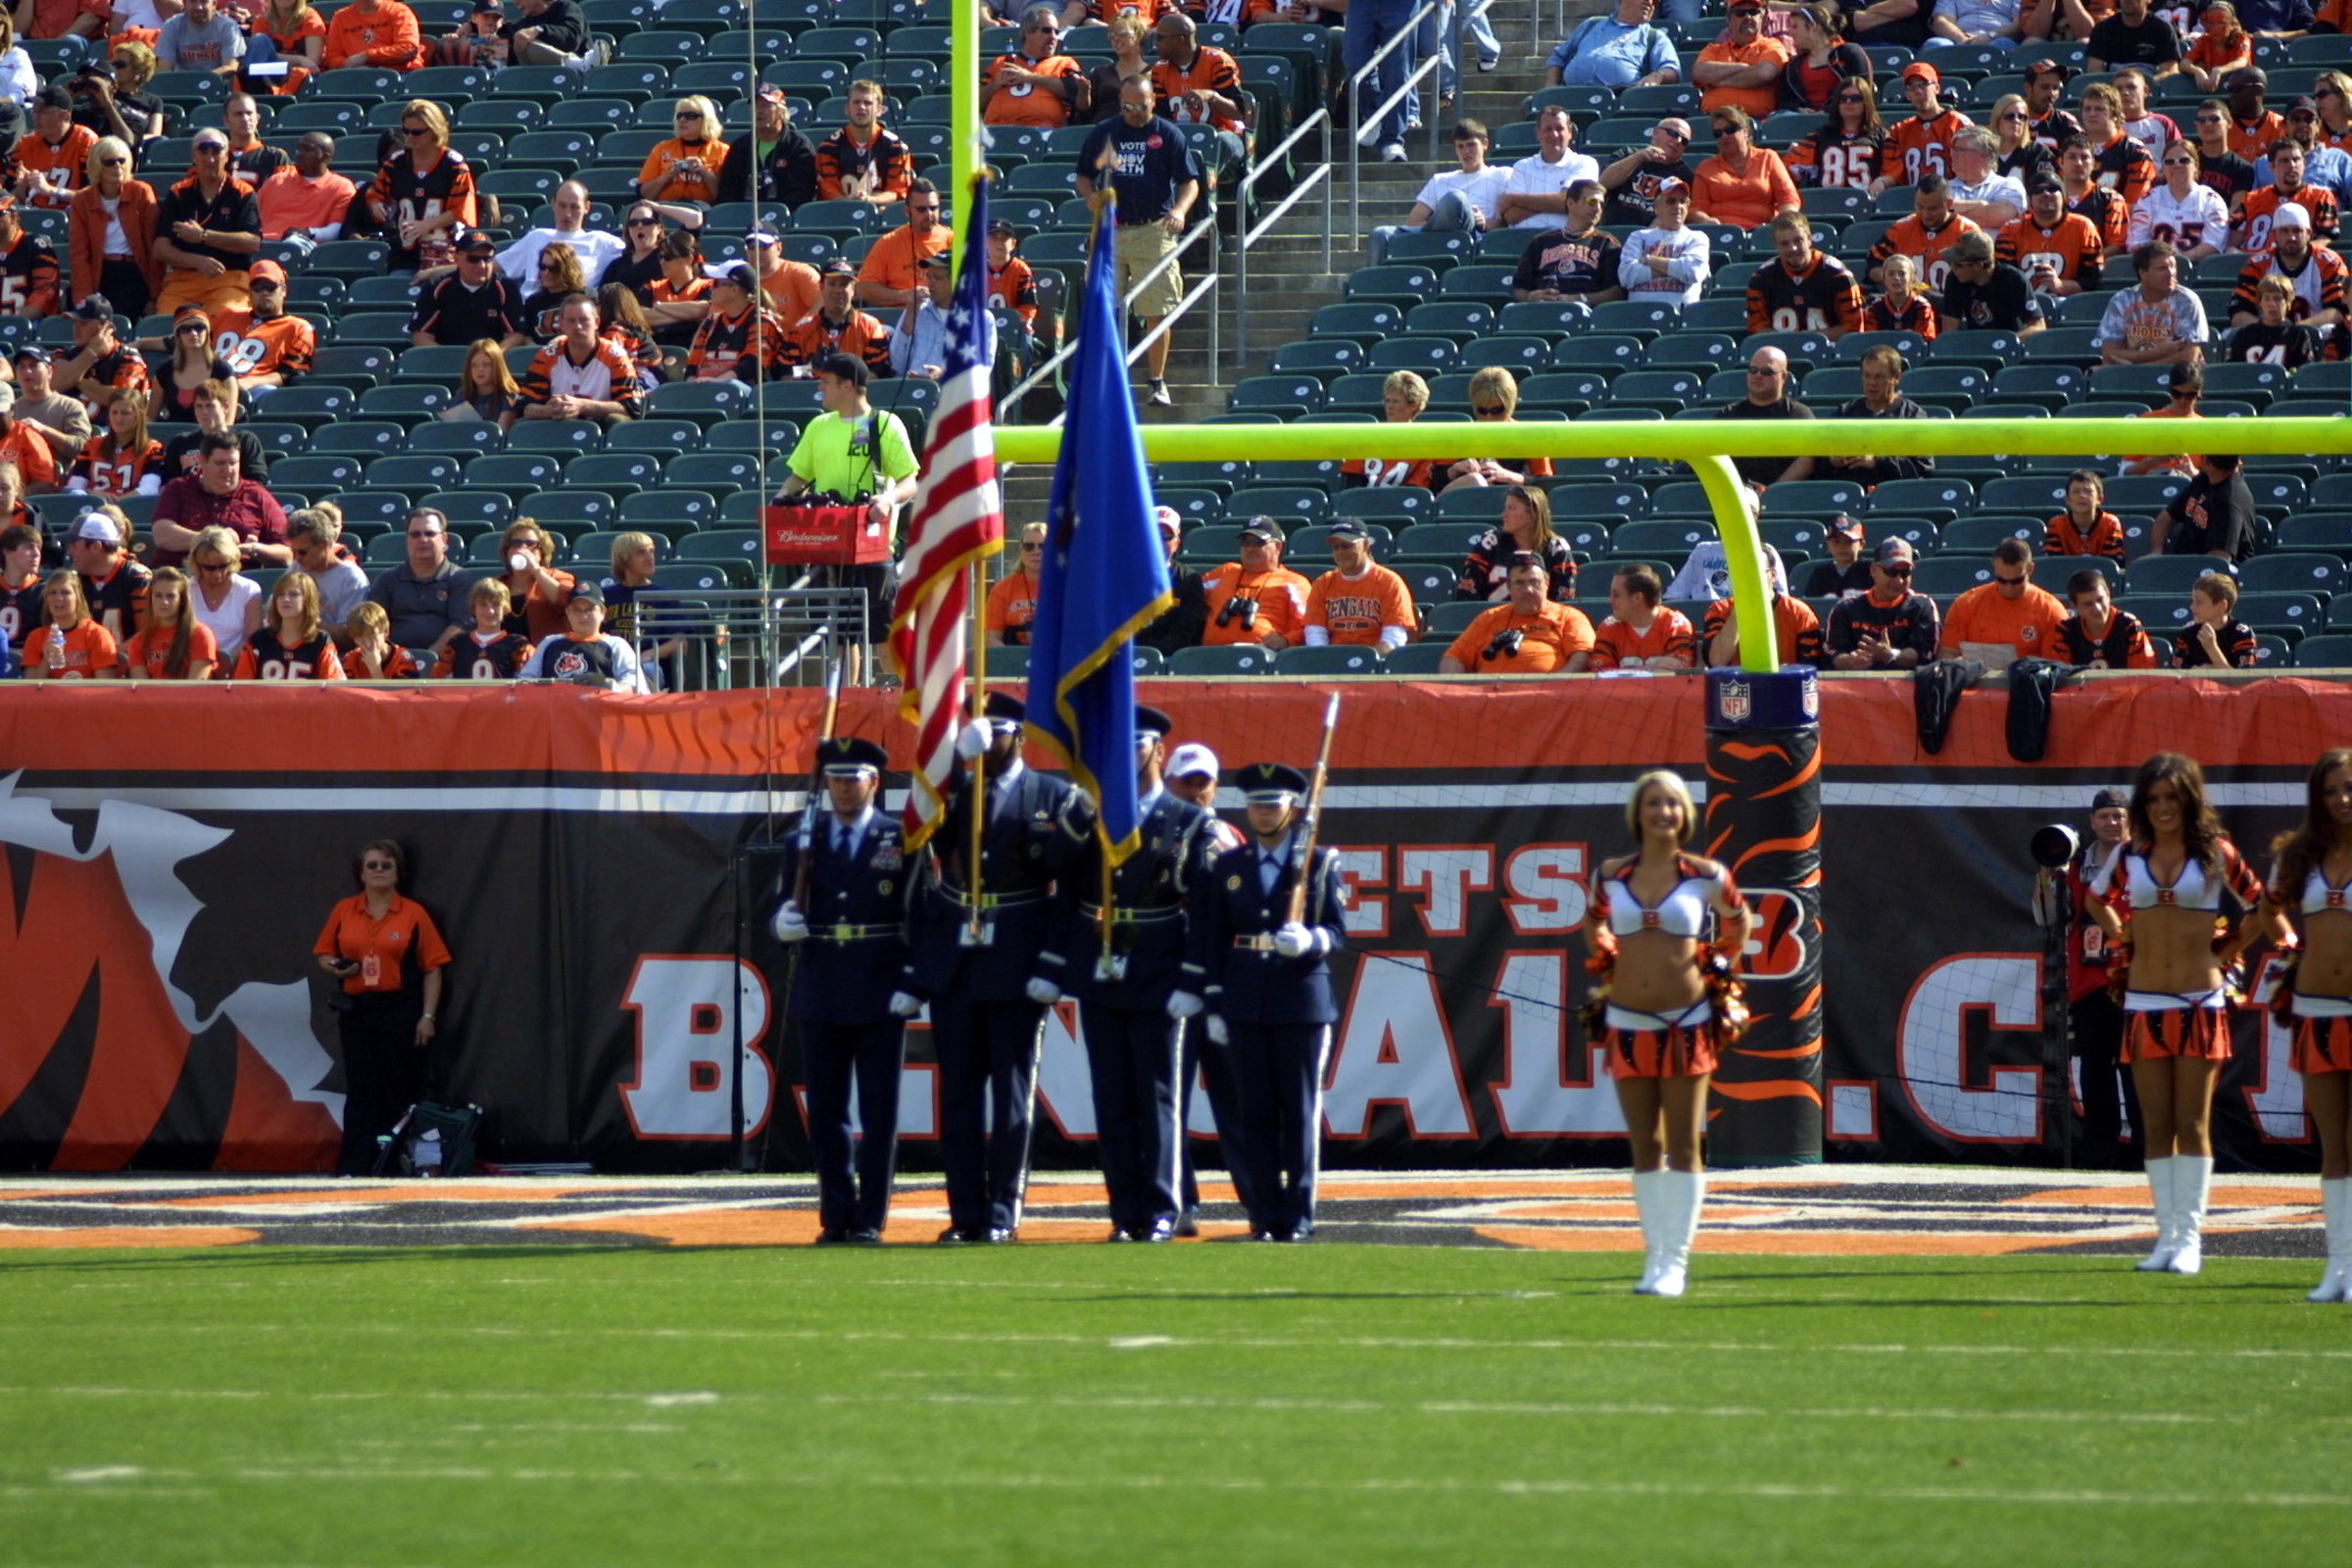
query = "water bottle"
x=56 y=655
x=427 y=1155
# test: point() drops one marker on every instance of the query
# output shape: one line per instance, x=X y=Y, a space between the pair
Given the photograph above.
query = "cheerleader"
x=2311 y=882
x=1665 y=1005
x=2171 y=951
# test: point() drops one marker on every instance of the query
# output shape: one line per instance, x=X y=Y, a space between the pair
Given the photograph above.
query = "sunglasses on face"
x=413 y=131
x=112 y=162
x=376 y=865
x=1902 y=569
x=212 y=566
x=1490 y=411
x=644 y=222
x=1849 y=98
x=690 y=113
x=191 y=331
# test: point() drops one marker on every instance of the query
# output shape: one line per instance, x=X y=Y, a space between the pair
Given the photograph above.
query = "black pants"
x=383 y=1073
x=126 y=287
x=986 y=1090
x=2108 y=1093
x=853 y=1175
x=1131 y=1058
x=1279 y=1071
x=1211 y=1063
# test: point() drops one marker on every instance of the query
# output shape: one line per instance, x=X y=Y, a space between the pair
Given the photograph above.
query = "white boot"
x=1685 y=1190
x=2335 y=1201
x=2192 y=1179
x=2160 y=1189
x=1649 y=1200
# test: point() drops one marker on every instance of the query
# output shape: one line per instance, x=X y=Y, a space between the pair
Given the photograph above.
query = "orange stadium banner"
x=167 y=856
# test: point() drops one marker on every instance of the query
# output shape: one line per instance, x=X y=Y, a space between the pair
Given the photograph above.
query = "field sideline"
x=578 y=1394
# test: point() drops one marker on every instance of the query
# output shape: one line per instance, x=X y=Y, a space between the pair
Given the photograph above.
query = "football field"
x=402 y=1383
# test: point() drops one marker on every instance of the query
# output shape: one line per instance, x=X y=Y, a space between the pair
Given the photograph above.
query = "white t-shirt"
x=1991 y=188
x=1533 y=176
x=2202 y=218
x=1483 y=189
x=227 y=623
x=520 y=260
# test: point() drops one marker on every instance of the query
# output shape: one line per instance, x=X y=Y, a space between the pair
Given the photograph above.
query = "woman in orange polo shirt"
x=1743 y=185
x=389 y=955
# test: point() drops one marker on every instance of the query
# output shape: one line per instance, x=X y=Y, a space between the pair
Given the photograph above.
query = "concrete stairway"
x=1287 y=281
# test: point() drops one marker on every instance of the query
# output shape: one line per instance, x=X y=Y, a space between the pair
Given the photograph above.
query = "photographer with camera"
x=2069 y=867
x=853 y=454
x=110 y=97
x=1256 y=599
x=1529 y=633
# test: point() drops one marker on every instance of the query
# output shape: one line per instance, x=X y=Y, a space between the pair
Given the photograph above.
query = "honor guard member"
x=976 y=961
x=854 y=923
x=1193 y=774
x=1267 y=994
x=1122 y=985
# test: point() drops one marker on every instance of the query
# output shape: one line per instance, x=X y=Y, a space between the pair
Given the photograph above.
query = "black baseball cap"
x=585 y=592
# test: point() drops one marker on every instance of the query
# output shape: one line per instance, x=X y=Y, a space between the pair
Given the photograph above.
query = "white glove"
x=1044 y=992
x=1218 y=1034
x=971 y=739
x=1293 y=941
x=905 y=1004
x=790 y=925
x=1183 y=1005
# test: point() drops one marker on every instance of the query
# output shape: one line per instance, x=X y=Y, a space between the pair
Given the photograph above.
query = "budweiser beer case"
x=824 y=536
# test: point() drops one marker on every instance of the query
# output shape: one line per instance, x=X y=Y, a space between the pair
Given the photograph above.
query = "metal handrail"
x=1061 y=356
x=1356 y=115
x=1319 y=176
x=785 y=626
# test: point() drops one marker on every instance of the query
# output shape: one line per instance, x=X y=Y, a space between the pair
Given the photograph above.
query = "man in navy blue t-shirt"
x=1156 y=180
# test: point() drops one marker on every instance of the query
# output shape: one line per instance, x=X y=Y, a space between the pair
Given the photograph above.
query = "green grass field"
x=1201 y=1405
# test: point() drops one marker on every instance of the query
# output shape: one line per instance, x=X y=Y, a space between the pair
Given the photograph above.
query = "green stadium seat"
x=2172 y=575
x=2326 y=651
x=1191 y=663
x=455 y=437
x=1331 y=659
x=416 y=472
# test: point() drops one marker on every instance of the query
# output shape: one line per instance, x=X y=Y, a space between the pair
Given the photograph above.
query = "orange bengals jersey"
x=1916 y=147
x=2254 y=225
x=1011 y=607
x=1795 y=628
x=283 y=344
x=397 y=665
x=116 y=474
x=1911 y=238
x=2251 y=139
x=2063 y=536
x=1385 y=473
x=1212 y=70
x=1669 y=644
x=2071 y=249
x=69 y=160
x=1355 y=610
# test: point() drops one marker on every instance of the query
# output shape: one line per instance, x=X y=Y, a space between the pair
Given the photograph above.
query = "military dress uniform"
x=854 y=951
x=985 y=1027
x=1276 y=1010
x=1122 y=992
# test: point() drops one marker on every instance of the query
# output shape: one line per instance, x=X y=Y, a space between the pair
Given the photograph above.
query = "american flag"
x=958 y=519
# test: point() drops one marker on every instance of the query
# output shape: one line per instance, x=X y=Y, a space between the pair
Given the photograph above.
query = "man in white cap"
x=1192 y=775
x=1183 y=623
x=115 y=585
x=2317 y=273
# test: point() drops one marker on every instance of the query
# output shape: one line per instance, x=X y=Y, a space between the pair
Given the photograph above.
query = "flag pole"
x=971 y=869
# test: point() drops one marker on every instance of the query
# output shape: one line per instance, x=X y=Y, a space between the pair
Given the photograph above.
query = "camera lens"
x=2054 y=846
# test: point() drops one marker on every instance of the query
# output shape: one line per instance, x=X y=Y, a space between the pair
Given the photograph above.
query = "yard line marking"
x=1546 y=1407
x=2168 y=1352
x=1543 y=1486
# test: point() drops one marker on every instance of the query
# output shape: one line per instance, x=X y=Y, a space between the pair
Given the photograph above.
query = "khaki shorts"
x=1141 y=246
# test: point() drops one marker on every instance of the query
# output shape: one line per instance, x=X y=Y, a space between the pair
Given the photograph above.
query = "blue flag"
x=1106 y=571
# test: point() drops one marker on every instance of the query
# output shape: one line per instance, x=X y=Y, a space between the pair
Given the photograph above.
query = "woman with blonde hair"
x=1126 y=33
x=2017 y=151
x=292 y=643
x=126 y=461
x=300 y=34
x=176 y=646
x=1525 y=528
x=73 y=645
x=424 y=195
x=225 y=600
x=1665 y=929
x=109 y=232
x=685 y=168
x=1404 y=398
x=1494 y=399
